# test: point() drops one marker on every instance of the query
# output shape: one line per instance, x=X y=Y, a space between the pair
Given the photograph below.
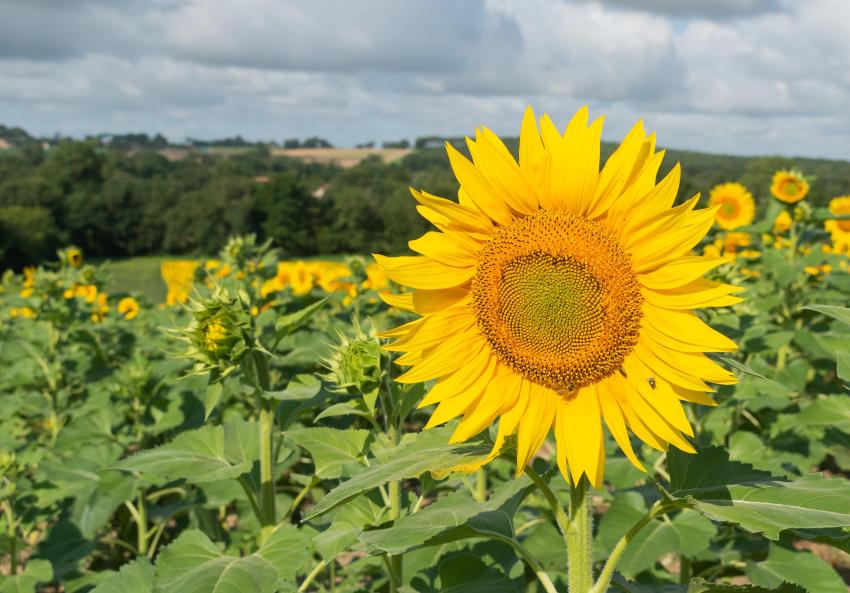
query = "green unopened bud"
x=221 y=331
x=355 y=363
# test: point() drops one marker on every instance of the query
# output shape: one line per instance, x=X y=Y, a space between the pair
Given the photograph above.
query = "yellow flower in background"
x=789 y=186
x=100 y=309
x=25 y=312
x=555 y=295
x=179 y=278
x=29 y=282
x=733 y=241
x=839 y=230
x=782 y=222
x=74 y=255
x=736 y=205
x=128 y=307
x=376 y=278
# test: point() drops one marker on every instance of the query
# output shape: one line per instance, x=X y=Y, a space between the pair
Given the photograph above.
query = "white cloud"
x=733 y=75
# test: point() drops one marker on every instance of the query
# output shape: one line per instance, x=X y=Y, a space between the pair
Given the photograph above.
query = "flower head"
x=128 y=307
x=782 y=222
x=555 y=295
x=839 y=229
x=789 y=186
x=736 y=205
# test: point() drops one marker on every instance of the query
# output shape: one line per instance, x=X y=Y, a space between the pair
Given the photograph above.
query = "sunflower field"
x=583 y=381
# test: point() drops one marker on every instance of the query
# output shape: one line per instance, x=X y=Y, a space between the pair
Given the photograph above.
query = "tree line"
x=119 y=203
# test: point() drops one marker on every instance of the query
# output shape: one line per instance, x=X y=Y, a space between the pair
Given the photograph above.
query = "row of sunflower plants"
x=607 y=417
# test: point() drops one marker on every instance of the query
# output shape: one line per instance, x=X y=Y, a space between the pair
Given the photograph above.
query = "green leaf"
x=207 y=454
x=136 y=577
x=451 y=518
x=700 y=586
x=734 y=492
x=688 y=533
x=287 y=549
x=622 y=584
x=842 y=360
x=425 y=451
x=803 y=568
x=289 y=323
x=842 y=314
x=36 y=571
x=464 y=573
x=213 y=396
x=300 y=388
x=192 y=564
x=831 y=411
x=332 y=450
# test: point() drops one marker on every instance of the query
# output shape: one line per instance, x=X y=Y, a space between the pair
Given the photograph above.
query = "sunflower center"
x=790 y=188
x=557 y=299
x=729 y=208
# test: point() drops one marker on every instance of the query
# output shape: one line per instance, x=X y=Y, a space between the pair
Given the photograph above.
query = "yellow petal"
x=480 y=367
x=500 y=393
x=661 y=368
x=579 y=423
x=446 y=358
x=431 y=301
x=434 y=329
x=534 y=425
x=440 y=247
x=659 y=394
x=422 y=272
x=477 y=187
x=613 y=416
x=685 y=326
x=680 y=272
x=463 y=216
x=399 y=301
x=694 y=295
x=504 y=172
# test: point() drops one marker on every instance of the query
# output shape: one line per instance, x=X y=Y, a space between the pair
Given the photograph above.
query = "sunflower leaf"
x=734 y=492
x=424 y=452
x=801 y=568
x=453 y=518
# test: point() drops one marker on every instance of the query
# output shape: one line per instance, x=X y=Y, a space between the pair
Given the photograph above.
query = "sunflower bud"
x=220 y=333
x=71 y=257
x=355 y=363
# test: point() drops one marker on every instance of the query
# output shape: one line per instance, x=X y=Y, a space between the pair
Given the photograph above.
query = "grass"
x=138 y=274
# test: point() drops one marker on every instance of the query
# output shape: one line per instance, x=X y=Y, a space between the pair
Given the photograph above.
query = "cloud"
x=732 y=75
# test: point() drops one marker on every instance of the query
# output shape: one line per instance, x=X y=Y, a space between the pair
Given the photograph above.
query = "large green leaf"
x=688 y=533
x=192 y=564
x=802 y=568
x=451 y=518
x=207 y=454
x=842 y=314
x=831 y=411
x=287 y=549
x=734 y=492
x=36 y=571
x=332 y=450
x=700 y=586
x=136 y=577
x=426 y=451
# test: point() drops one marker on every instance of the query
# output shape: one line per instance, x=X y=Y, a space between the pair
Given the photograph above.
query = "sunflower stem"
x=266 y=429
x=395 y=560
x=579 y=542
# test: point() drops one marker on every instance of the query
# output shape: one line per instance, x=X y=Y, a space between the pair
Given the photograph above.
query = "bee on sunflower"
x=555 y=295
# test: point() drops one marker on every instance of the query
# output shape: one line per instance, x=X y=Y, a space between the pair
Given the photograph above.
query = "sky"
x=727 y=76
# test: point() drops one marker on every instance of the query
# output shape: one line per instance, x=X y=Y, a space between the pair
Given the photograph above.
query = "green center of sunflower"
x=557 y=299
x=729 y=208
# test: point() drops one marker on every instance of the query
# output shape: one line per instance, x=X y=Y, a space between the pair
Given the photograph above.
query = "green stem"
x=266 y=428
x=529 y=559
x=142 y=526
x=604 y=580
x=481 y=485
x=579 y=543
x=557 y=509
x=13 y=536
x=300 y=496
x=311 y=577
x=396 y=565
x=249 y=494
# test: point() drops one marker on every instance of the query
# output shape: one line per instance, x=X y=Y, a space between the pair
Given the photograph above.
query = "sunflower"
x=782 y=222
x=555 y=295
x=789 y=186
x=736 y=205
x=128 y=307
x=839 y=229
x=74 y=256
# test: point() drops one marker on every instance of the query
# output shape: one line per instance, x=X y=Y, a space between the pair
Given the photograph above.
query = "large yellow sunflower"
x=839 y=229
x=554 y=295
x=789 y=186
x=736 y=205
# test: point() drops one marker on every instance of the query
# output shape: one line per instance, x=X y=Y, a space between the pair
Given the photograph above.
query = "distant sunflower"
x=839 y=229
x=555 y=295
x=128 y=307
x=782 y=222
x=736 y=205
x=75 y=257
x=789 y=186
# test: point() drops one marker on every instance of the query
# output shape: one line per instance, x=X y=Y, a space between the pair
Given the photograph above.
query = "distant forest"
x=123 y=197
